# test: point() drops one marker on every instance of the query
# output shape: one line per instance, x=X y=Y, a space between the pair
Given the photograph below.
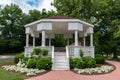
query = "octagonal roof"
x=59 y=19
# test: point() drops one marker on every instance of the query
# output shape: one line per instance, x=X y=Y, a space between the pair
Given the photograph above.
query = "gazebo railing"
x=74 y=51
x=29 y=49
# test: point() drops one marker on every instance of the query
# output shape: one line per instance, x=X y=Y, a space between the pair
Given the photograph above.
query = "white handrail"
x=67 y=53
x=52 y=57
x=52 y=52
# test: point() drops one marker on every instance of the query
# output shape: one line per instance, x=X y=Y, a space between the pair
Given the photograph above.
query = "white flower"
x=102 y=69
x=21 y=69
x=31 y=74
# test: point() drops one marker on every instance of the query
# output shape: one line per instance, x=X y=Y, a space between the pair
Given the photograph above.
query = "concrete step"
x=60 y=61
x=60 y=57
x=61 y=64
x=60 y=68
x=60 y=54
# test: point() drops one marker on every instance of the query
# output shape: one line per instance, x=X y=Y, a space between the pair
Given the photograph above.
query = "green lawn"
x=5 y=75
x=6 y=61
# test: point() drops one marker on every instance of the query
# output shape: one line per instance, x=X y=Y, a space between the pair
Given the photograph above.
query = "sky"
x=27 y=5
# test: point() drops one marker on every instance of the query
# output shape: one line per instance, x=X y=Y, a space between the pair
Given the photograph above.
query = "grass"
x=6 y=61
x=5 y=75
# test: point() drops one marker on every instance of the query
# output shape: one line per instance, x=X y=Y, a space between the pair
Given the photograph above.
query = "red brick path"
x=68 y=75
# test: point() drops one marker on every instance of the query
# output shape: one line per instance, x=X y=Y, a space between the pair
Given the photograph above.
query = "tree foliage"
x=104 y=14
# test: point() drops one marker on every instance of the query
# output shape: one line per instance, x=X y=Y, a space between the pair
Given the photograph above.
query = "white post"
x=27 y=40
x=84 y=41
x=49 y=41
x=68 y=41
x=91 y=39
x=76 y=38
x=33 y=41
x=43 y=38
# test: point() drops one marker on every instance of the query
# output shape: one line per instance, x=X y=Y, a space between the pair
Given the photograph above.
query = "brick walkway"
x=68 y=75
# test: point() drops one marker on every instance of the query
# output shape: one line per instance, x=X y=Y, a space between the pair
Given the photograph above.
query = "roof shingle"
x=60 y=17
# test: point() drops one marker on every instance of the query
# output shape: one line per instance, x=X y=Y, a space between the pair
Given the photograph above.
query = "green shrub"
x=89 y=62
x=24 y=60
x=18 y=57
x=44 y=52
x=44 y=63
x=36 y=51
x=76 y=63
x=71 y=63
x=31 y=63
x=81 y=52
x=99 y=59
x=97 y=55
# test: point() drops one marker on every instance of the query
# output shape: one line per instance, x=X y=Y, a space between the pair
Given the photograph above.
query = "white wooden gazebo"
x=67 y=26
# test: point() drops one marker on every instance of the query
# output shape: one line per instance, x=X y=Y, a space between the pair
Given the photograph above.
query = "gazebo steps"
x=60 y=68
x=60 y=61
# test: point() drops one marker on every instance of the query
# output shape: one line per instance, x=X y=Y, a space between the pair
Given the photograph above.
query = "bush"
x=36 y=51
x=44 y=52
x=89 y=62
x=24 y=60
x=81 y=52
x=99 y=59
x=44 y=63
x=31 y=63
x=71 y=63
x=76 y=63
x=18 y=57
x=98 y=55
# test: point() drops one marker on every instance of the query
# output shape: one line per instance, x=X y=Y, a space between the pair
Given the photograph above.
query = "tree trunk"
x=115 y=55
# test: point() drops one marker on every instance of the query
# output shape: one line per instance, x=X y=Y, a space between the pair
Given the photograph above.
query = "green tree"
x=104 y=14
x=34 y=15
x=12 y=29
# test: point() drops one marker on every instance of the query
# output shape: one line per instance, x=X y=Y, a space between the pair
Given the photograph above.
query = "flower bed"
x=97 y=70
x=28 y=72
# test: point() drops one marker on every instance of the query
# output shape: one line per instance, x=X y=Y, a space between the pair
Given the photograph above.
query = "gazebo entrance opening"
x=59 y=43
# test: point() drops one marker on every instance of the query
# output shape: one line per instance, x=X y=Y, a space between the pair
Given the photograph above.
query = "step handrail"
x=67 y=52
x=52 y=52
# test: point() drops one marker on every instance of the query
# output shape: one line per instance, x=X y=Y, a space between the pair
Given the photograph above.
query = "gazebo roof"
x=60 y=17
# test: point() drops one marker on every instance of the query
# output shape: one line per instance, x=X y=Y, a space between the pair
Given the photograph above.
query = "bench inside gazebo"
x=67 y=26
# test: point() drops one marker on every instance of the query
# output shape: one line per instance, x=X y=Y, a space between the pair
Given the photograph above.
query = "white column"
x=91 y=39
x=84 y=41
x=68 y=41
x=43 y=38
x=27 y=40
x=33 y=41
x=49 y=41
x=76 y=38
